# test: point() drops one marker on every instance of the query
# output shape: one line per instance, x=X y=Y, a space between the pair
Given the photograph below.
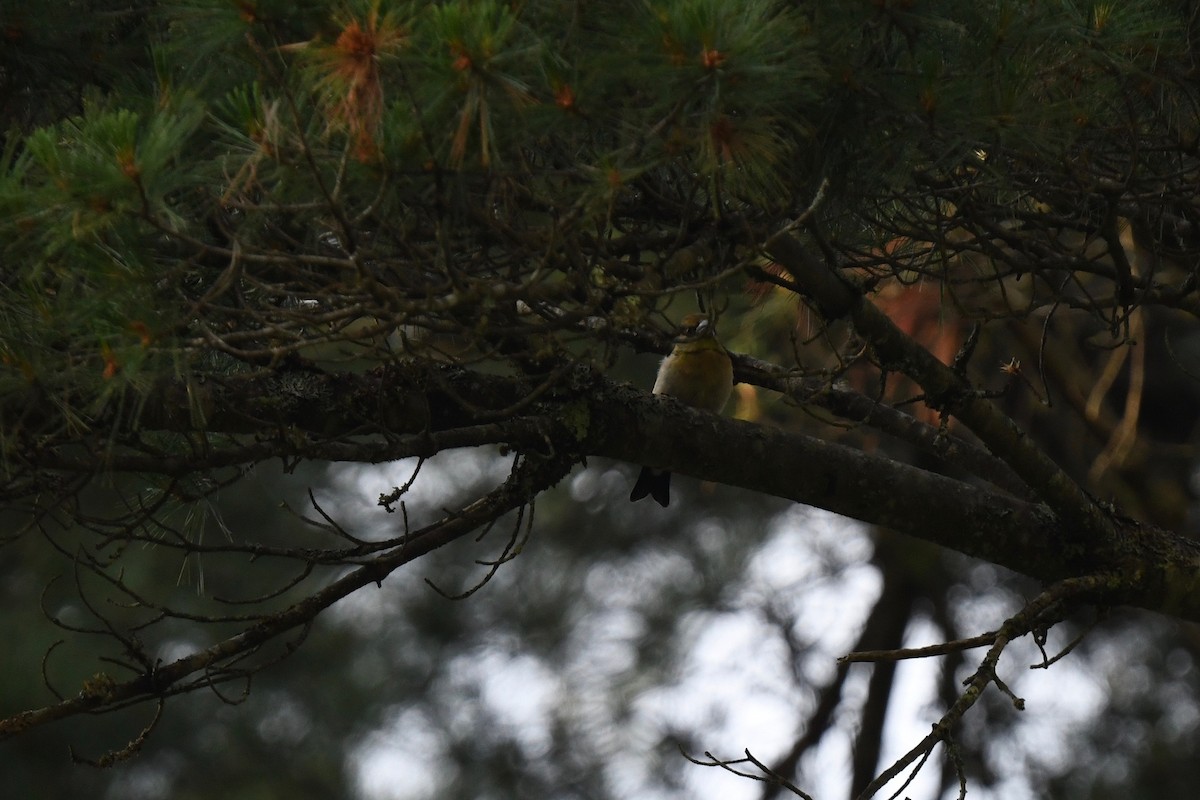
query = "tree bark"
x=583 y=414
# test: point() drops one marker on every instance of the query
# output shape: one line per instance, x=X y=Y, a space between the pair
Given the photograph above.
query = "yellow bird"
x=697 y=372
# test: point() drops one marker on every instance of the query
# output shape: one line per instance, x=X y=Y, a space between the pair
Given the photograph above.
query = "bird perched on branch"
x=697 y=372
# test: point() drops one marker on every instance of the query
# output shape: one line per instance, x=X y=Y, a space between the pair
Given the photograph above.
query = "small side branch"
x=1042 y=611
x=765 y=773
x=920 y=652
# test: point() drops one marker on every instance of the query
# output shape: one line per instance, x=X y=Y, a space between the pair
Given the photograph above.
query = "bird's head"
x=694 y=327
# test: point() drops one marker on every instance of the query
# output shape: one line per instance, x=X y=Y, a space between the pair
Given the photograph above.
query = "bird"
x=697 y=372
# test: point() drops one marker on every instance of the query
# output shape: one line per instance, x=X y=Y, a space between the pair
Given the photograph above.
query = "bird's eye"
x=693 y=328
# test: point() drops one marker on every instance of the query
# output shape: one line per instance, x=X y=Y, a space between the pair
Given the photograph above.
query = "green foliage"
x=98 y=170
x=87 y=200
x=482 y=57
x=737 y=81
x=930 y=83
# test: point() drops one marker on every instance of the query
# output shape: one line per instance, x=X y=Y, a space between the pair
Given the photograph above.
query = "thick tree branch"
x=945 y=388
x=1150 y=567
x=585 y=415
x=852 y=406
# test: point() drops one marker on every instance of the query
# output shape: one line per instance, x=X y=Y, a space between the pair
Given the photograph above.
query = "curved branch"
x=1151 y=567
x=530 y=477
x=585 y=415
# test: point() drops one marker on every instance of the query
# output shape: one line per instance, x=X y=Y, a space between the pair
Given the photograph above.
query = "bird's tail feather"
x=655 y=483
